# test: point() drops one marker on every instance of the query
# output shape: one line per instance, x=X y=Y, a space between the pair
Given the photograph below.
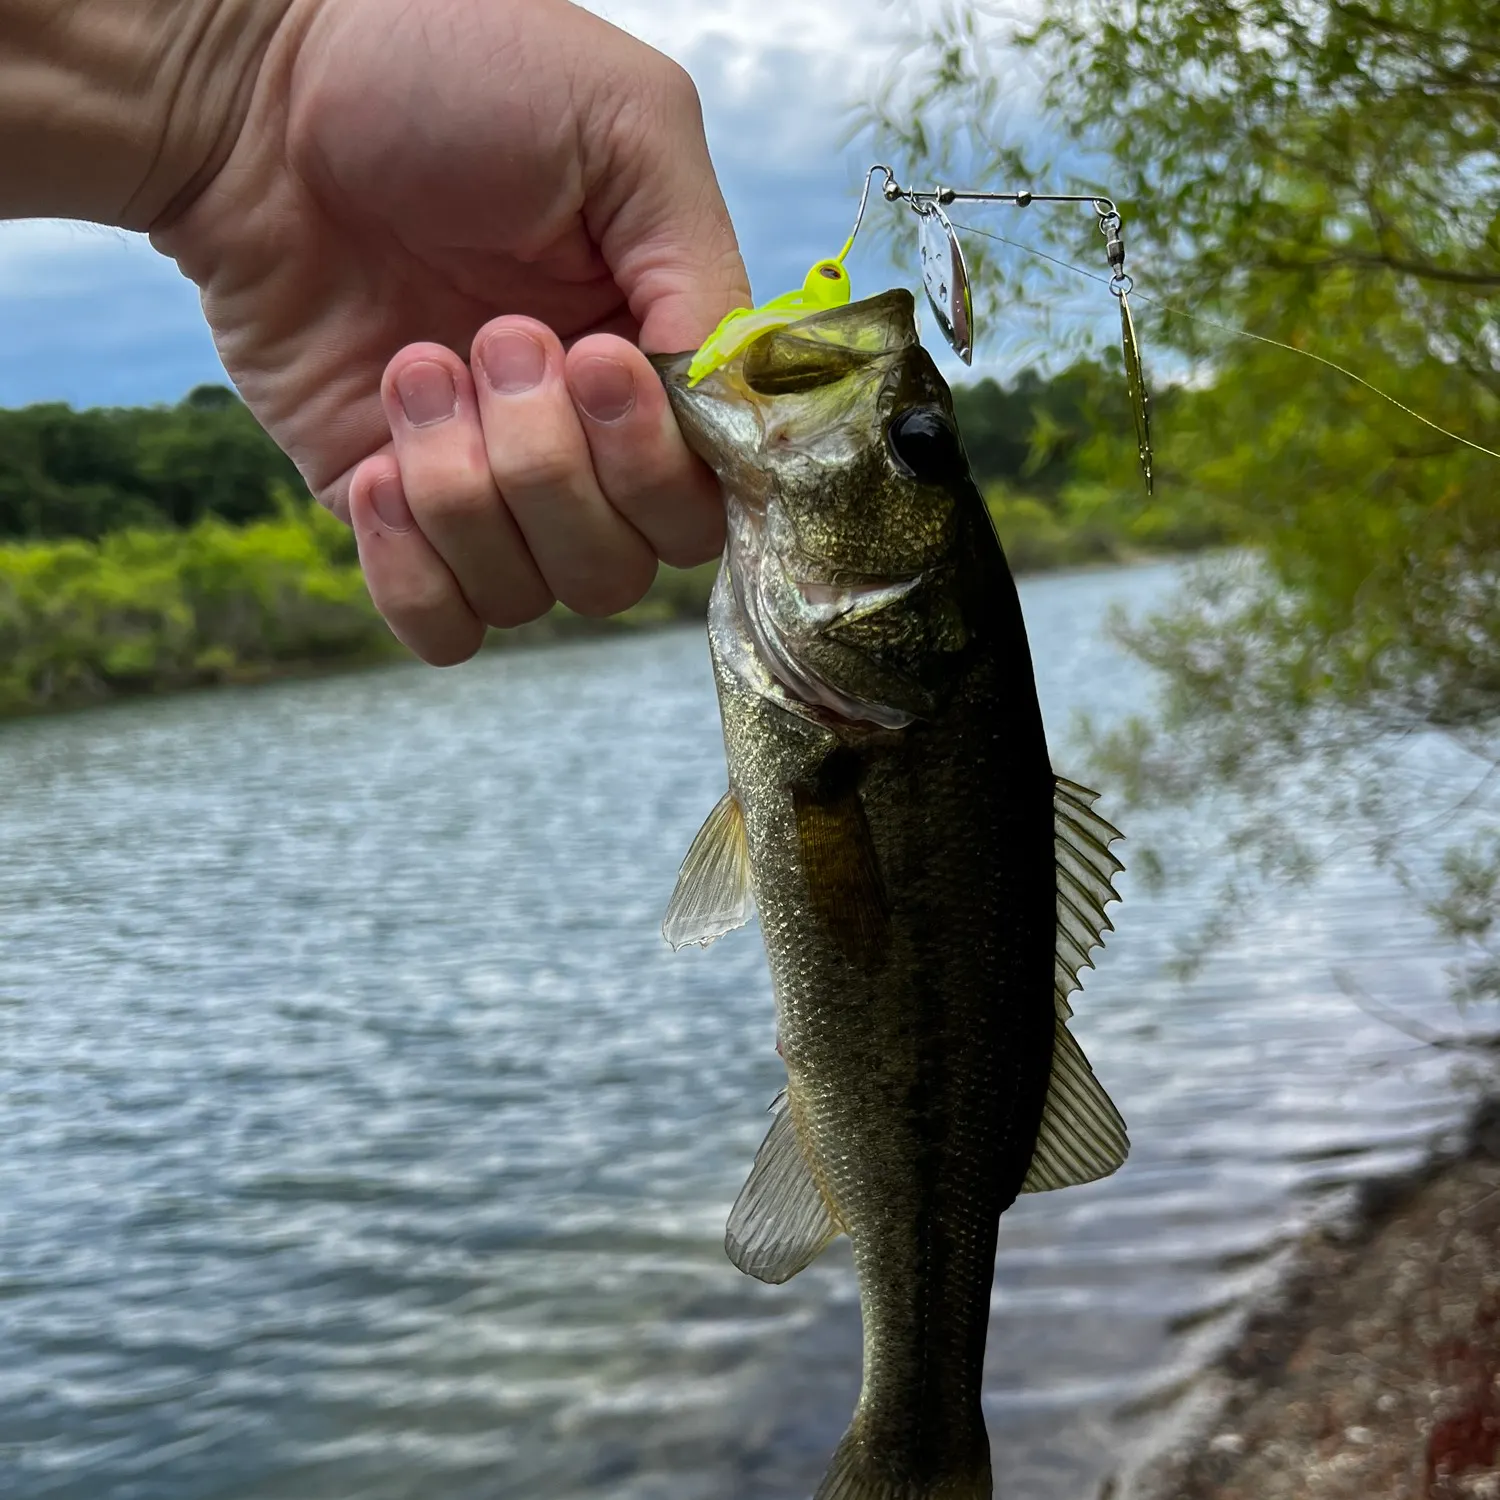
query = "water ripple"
x=363 y=1138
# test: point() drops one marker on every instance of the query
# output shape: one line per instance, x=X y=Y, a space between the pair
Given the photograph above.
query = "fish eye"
x=924 y=444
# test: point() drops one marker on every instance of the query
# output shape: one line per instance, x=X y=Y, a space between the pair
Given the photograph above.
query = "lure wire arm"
x=1110 y=222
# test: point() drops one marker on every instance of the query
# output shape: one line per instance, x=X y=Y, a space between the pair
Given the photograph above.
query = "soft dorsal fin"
x=1082 y=1136
x=713 y=894
x=781 y=1221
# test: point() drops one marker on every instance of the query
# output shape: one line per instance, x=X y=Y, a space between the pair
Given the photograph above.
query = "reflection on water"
x=363 y=1139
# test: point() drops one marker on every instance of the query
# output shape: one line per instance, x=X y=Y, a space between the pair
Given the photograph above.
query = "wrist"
x=120 y=111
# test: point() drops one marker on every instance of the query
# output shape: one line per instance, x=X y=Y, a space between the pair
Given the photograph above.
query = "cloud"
x=834 y=29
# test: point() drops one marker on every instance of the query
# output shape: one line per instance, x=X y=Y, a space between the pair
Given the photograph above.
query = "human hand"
x=513 y=179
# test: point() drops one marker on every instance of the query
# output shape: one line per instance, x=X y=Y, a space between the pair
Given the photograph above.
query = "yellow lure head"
x=825 y=285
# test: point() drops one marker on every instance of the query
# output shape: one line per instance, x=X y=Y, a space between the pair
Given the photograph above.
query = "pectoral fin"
x=844 y=883
x=713 y=894
x=1082 y=1136
x=781 y=1221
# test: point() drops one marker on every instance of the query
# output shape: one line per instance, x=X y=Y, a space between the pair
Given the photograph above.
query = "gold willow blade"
x=1135 y=389
x=1135 y=377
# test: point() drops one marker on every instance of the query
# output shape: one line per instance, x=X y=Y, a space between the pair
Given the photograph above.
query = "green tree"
x=1326 y=174
x=209 y=456
x=87 y=473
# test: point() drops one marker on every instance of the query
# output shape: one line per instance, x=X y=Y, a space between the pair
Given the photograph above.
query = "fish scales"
x=890 y=786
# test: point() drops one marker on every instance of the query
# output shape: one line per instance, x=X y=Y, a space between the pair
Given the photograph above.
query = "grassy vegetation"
x=155 y=610
x=151 y=610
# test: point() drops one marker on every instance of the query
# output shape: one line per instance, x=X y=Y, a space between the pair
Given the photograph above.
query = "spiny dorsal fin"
x=1085 y=885
x=781 y=1221
x=844 y=884
x=713 y=893
x=1082 y=1136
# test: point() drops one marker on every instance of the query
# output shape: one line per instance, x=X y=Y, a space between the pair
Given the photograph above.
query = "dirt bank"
x=1375 y=1373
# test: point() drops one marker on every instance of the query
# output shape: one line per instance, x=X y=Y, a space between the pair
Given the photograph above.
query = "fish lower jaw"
x=753 y=647
x=818 y=698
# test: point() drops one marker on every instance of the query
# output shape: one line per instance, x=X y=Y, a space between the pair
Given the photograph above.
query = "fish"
x=928 y=889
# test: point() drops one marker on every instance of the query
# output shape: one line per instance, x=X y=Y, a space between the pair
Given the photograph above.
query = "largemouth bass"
x=927 y=888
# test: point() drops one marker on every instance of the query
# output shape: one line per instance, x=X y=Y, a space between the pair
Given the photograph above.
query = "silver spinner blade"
x=946 y=278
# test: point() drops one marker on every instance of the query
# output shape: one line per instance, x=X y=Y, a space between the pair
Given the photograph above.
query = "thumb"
x=663 y=228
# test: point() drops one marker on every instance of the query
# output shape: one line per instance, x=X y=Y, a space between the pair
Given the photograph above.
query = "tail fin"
x=859 y=1471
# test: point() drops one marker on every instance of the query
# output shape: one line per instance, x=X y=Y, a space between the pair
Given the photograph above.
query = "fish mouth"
x=739 y=418
x=672 y=369
x=719 y=415
x=873 y=326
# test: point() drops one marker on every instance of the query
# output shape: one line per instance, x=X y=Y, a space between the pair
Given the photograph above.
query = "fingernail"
x=513 y=362
x=427 y=393
x=605 y=389
x=389 y=500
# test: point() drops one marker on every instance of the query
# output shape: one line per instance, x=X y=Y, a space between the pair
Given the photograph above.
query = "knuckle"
x=518 y=600
x=538 y=471
x=335 y=502
x=609 y=593
x=506 y=614
x=418 y=607
x=456 y=503
x=683 y=522
x=688 y=552
x=678 y=87
x=451 y=652
x=436 y=625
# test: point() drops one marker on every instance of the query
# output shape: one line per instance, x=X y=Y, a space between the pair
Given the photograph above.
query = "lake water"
x=362 y=1138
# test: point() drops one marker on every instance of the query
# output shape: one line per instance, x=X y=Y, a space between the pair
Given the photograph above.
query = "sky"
x=94 y=316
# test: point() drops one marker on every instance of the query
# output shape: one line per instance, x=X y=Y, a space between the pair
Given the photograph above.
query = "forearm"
x=119 y=111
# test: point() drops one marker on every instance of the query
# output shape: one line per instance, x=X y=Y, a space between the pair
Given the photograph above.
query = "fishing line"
x=1243 y=333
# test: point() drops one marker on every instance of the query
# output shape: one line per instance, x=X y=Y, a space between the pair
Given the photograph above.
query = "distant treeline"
x=66 y=473
x=1031 y=434
x=145 y=549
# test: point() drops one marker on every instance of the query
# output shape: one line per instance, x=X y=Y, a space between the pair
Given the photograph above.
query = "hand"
x=515 y=180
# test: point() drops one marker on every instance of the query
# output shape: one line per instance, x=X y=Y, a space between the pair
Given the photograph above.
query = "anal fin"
x=781 y=1221
x=713 y=894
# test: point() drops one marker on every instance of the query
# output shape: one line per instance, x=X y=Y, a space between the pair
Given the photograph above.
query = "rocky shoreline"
x=1374 y=1372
